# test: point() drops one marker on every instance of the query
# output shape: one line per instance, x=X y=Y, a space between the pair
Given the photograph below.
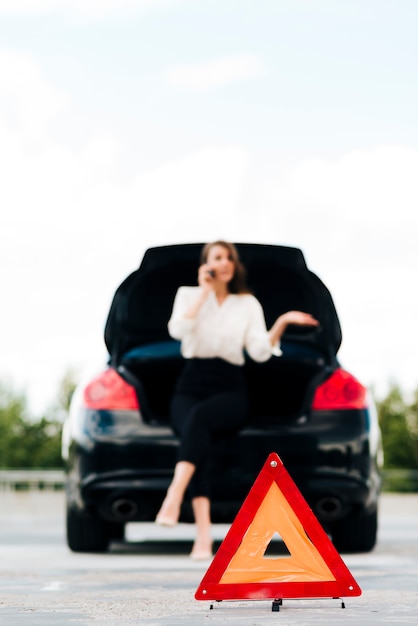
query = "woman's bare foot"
x=169 y=512
x=202 y=549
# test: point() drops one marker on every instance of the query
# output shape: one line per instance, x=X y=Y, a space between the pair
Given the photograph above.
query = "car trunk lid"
x=137 y=338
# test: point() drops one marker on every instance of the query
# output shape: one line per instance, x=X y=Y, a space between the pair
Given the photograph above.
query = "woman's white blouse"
x=221 y=330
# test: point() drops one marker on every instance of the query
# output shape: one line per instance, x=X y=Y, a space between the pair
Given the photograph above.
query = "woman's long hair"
x=238 y=284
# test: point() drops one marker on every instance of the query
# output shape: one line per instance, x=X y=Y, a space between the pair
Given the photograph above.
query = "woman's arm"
x=187 y=304
x=205 y=281
x=298 y=318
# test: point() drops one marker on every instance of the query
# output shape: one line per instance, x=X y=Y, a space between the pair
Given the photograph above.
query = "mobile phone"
x=211 y=273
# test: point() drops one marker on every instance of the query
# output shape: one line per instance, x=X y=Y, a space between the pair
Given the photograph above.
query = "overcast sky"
x=131 y=123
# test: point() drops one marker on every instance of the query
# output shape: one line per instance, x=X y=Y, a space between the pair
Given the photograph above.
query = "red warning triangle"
x=240 y=571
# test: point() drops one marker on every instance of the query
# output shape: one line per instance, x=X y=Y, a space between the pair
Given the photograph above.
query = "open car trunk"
x=140 y=348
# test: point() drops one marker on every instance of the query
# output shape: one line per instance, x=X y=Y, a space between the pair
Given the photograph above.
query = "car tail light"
x=340 y=391
x=109 y=391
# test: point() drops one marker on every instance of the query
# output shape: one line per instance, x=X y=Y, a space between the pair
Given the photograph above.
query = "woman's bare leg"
x=169 y=512
x=202 y=547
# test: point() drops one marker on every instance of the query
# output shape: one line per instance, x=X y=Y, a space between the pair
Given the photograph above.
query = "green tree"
x=47 y=433
x=395 y=419
x=60 y=407
x=13 y=415
x=38 y=445
x=27 y=442
x=412 y=421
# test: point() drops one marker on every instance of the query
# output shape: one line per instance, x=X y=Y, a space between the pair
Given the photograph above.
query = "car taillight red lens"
x=340 y=391
x=109 y=391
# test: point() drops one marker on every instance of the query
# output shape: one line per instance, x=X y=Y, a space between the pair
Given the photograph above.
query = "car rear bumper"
x=124 y=479
x=132 y=496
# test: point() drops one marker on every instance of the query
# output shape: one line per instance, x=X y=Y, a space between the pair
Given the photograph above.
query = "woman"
x=215 y=322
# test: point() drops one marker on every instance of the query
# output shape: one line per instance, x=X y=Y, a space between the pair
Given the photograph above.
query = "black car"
x=119 y=448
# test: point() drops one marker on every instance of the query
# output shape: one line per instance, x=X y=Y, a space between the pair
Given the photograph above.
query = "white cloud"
x=205 y=184
x=80 y=8
x=28 y=101
x=368 y=197
x=216 y=73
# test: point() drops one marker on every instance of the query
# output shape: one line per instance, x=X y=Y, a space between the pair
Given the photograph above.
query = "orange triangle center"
x=249 y=565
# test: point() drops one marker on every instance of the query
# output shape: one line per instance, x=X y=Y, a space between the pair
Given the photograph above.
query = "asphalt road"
x=149 y=579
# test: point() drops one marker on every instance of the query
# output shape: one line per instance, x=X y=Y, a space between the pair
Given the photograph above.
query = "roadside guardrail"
x=31 y=479
x=399 y=480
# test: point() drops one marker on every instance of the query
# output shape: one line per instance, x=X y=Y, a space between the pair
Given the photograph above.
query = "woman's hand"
x=204 y=278
x=206 y=282
x=298 y=318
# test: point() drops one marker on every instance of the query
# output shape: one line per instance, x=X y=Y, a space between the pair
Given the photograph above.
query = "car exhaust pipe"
x=124 y=509
x=329 y=508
